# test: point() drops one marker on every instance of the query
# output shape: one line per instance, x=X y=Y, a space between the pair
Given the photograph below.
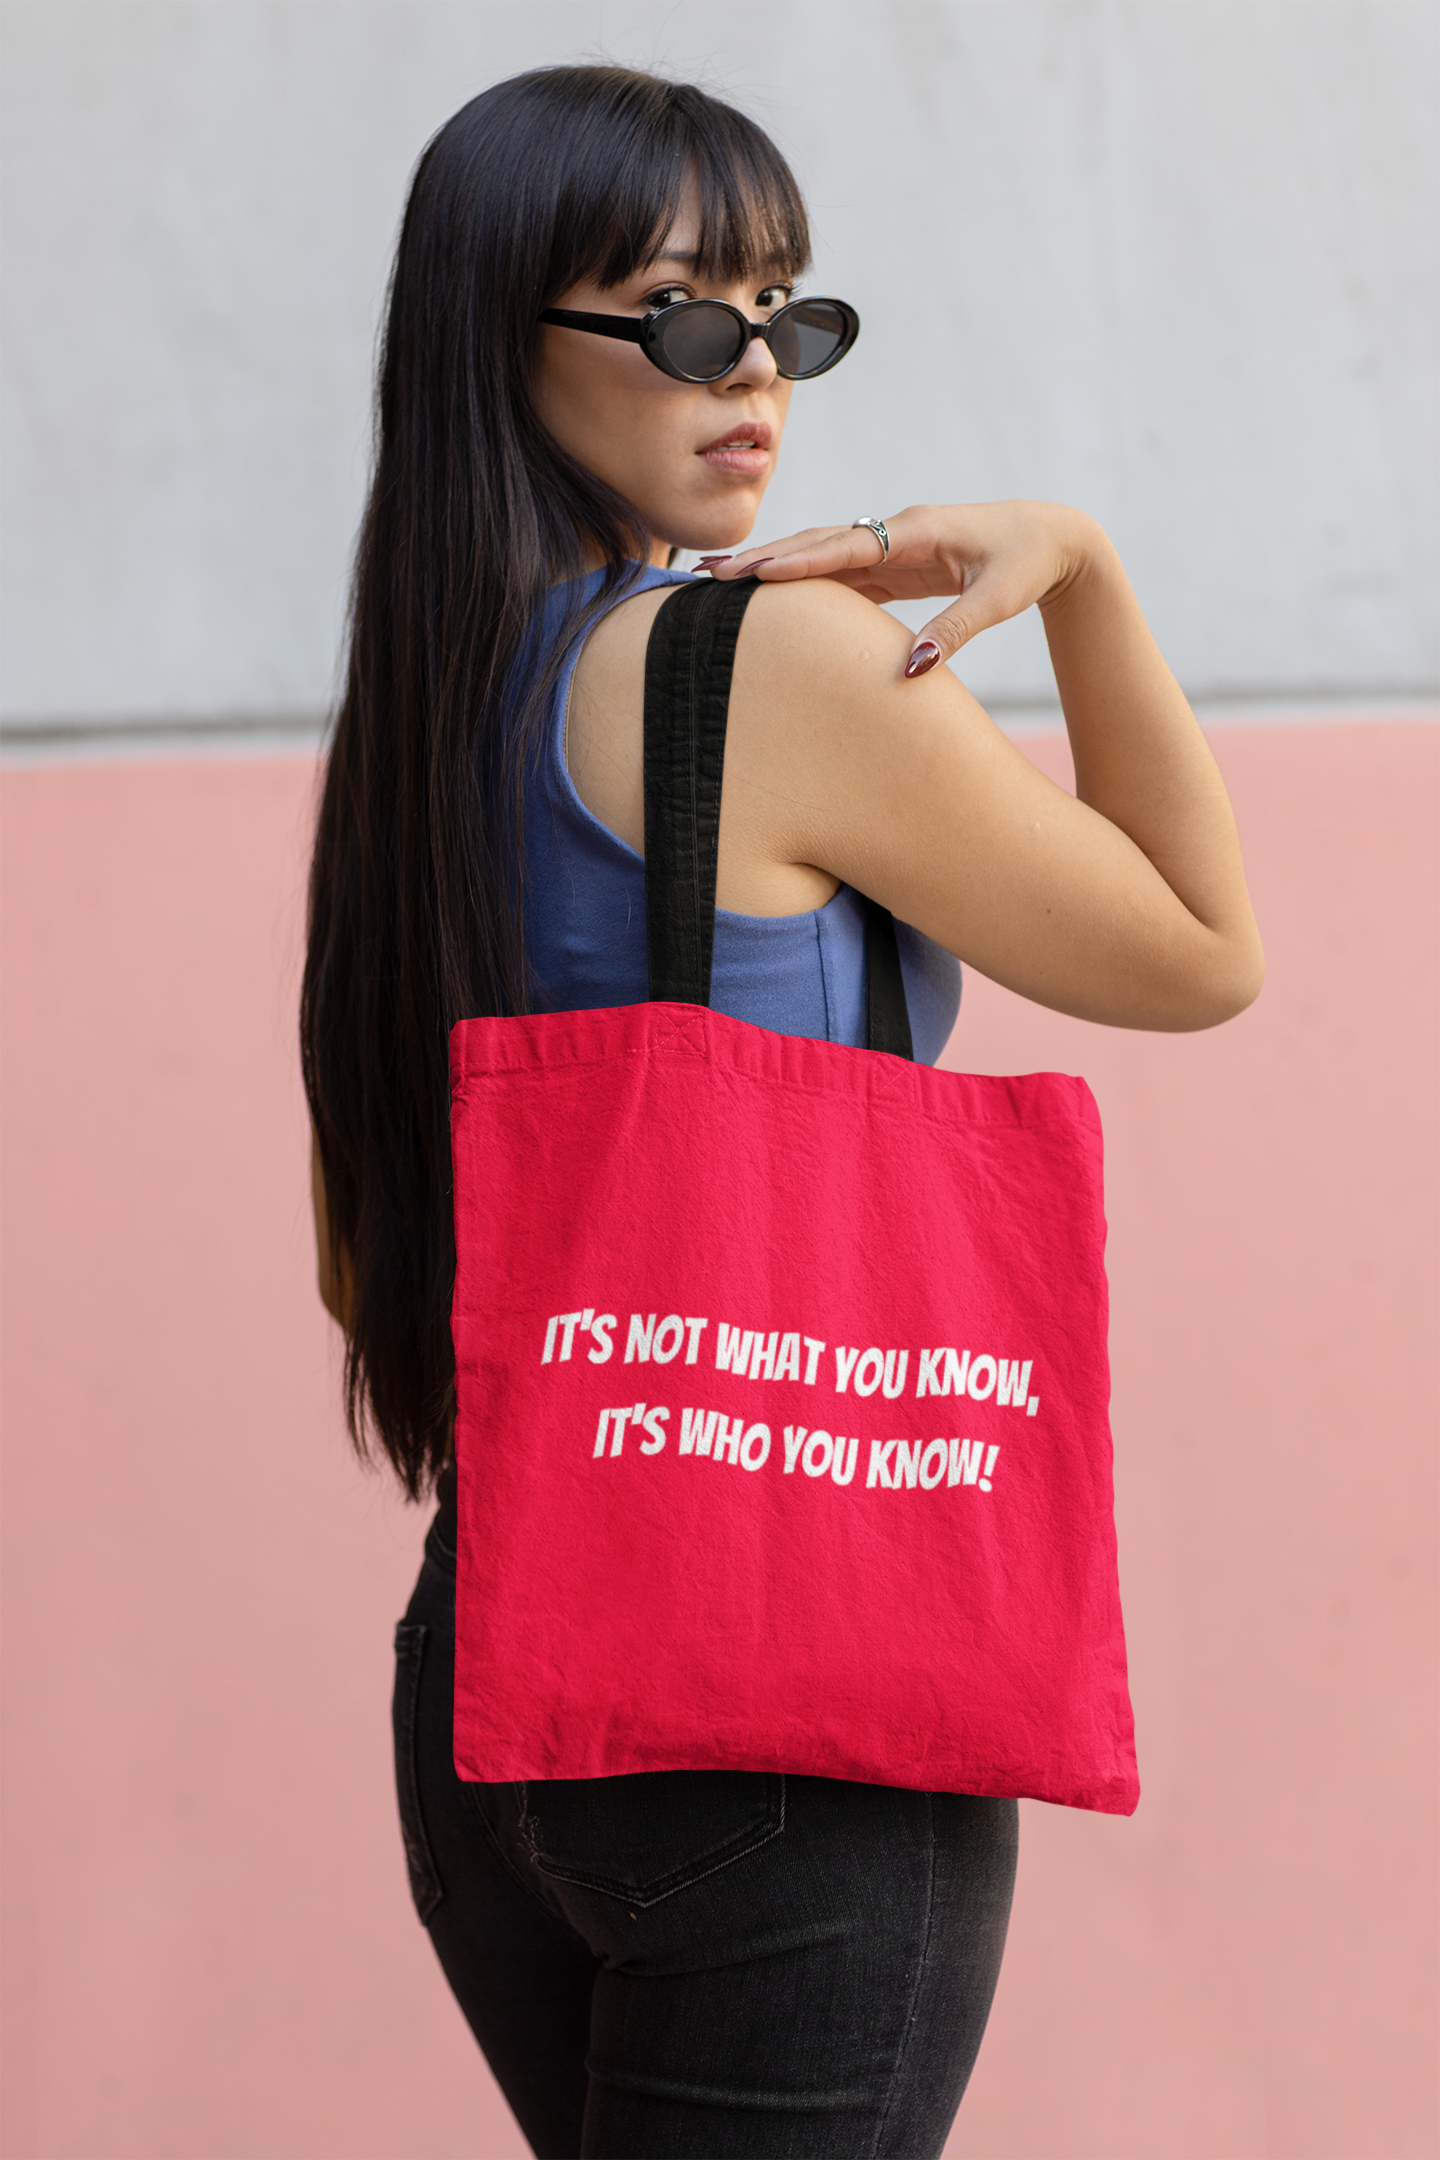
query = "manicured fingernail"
x=923 y=658
x=751 y=568
x=706 y=560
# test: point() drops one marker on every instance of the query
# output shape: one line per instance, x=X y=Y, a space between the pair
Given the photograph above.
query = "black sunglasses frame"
x=649 y=333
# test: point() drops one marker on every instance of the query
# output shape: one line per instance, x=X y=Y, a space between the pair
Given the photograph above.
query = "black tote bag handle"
x=688 y=666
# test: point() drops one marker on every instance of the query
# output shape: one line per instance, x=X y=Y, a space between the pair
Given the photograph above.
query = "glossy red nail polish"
x=924 y=657
x=706 y=561
x=751 y=568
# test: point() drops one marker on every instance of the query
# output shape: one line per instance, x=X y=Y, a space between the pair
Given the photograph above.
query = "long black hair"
x=474 y=513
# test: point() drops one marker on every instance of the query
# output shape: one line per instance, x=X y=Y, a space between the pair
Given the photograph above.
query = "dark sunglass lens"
x=807 y=336
x=703 y=339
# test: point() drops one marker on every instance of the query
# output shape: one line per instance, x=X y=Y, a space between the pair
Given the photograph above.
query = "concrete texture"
x=1171 y=263
x=211 y=1951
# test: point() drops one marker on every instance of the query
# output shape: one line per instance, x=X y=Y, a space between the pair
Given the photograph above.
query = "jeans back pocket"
x=644 y=1836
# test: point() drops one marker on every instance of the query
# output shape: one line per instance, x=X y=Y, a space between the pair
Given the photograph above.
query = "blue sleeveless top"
x=585 y=914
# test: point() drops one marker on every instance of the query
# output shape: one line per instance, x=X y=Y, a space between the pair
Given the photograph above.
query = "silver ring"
x=874 y=525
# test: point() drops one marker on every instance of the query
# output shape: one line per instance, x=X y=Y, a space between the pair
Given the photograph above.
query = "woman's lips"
x=742 y=449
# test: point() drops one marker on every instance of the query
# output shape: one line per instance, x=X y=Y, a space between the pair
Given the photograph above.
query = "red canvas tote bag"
x=782 y=1392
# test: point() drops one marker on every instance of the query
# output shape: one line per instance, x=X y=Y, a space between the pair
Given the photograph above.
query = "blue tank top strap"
x=585 y=911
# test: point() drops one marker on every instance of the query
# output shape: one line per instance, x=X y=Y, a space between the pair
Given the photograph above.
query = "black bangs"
x=634 y=145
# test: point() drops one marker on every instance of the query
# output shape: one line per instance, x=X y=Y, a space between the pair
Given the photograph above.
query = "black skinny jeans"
x=690 y=1965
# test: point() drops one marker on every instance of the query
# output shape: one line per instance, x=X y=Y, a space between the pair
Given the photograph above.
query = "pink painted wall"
x=210 y=1950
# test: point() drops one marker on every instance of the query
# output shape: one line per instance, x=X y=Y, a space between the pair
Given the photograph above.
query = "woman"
x=541 y=458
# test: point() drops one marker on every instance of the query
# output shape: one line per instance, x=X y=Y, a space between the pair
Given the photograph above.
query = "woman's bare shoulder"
x=613 y=655
x=820 y=673
x=797 y=633
x=819 y=622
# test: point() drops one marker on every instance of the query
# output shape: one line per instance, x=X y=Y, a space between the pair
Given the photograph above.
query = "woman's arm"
x=1125 y=903
x=330 y=1269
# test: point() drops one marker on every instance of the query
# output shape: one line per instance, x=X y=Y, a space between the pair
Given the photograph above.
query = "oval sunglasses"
x=701 y=340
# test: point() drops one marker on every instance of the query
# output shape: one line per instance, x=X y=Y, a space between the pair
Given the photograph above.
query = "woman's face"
x=693 y=458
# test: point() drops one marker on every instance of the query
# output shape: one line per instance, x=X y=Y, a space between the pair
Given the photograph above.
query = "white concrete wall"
x=1168 y=259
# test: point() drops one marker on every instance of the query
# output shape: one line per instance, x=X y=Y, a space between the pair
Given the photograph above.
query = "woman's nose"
x=754 y=370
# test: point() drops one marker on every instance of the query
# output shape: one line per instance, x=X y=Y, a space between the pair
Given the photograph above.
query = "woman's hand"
x=998 y=558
